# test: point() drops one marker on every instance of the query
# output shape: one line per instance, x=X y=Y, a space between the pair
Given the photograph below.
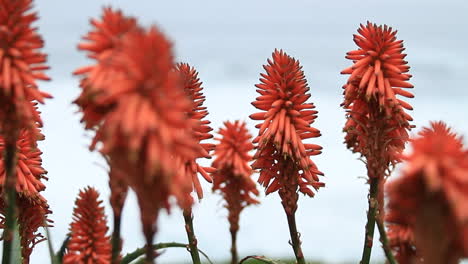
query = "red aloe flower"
x=100 y=45
x=33 y=214
x=431 y=196
x=21 y=64
x=32 y=207
x=282 y=158
x=286 y=122
x=141 y=122
x=29 y=171
x=377 y=125
x=193 y=89
x=88 y=242
x=401 y=241
x=232 y=177
x=377 y=76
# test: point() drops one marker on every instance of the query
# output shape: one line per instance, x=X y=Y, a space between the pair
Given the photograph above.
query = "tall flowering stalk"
x=21 y=65
x=431 y=196
x=377 y=125
x=106 y=36
x=232 y=177
x=194 y=91
x=119 y=190
x=88 y=243
x=32 y=207
x=282 y=158
x=134 y=100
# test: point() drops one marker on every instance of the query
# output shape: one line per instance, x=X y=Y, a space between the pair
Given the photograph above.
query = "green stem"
x=384 y=241
x=234 y=255
x=62 y=249
x=188 y=217
x=9 y=198
x=370 y=225
x=295 y=241
x=116 y=243
x=141 y=251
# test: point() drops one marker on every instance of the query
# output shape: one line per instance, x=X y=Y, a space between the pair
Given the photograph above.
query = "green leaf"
x=130 y=257
x=259 y=259
x=53 y=258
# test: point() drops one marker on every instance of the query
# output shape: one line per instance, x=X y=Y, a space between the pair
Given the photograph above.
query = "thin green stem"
x=295 y=241
x=188 y=217
x=141 y=251
x=53 y=257
x=370 y=225
x=234 y=255
x=116 y=242
x=62 y=249
x=259 y=258
x=9 y=198
x=384 y=241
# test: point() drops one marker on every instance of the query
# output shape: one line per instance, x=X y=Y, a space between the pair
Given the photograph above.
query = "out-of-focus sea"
x=228 y=42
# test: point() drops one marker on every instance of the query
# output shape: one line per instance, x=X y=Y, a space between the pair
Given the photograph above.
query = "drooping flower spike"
x=89 y=243
x=21 y=65
x=281 y=156
x=232 y=177
x=32 y=214
x=286 y=121
x=378 y=75
x=32 y=207
x=233 y=173
x=377 y=125
x=100 y=43
x=29 y=171
x=142 y=124
x=193 y=89
x=431 y=196
x=401 y=241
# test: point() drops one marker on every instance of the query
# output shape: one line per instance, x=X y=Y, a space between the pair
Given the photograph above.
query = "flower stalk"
x=370 y=225
x=9 y=198
x=193 y=248
x=116 y=240
x=385 y=243
x=234 y=254
x=295 y=240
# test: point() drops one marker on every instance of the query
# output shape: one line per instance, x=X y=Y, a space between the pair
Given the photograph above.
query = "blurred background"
x=228 y=42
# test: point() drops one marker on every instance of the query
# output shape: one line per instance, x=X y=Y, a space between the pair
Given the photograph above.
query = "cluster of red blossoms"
x=429 y=202
x=281 y=156
x=21 y=65
x=88 y=242
x=377 y=76
x=146 y=111
x=233 y=172
x=150 y=125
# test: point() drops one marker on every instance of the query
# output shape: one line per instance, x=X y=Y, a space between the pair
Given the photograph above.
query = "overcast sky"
x=228 y=42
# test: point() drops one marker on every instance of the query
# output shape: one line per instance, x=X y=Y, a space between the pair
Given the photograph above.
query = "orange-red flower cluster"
x=401 y=242
x=233 y=173
x=31 y=216
x=193 y=89
x=431 y=197
x=88 y=242
x=286 y=121
x=29 y=171
x=33 y=209
x=377 y=76
x=21 y=65
x=134 y=100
